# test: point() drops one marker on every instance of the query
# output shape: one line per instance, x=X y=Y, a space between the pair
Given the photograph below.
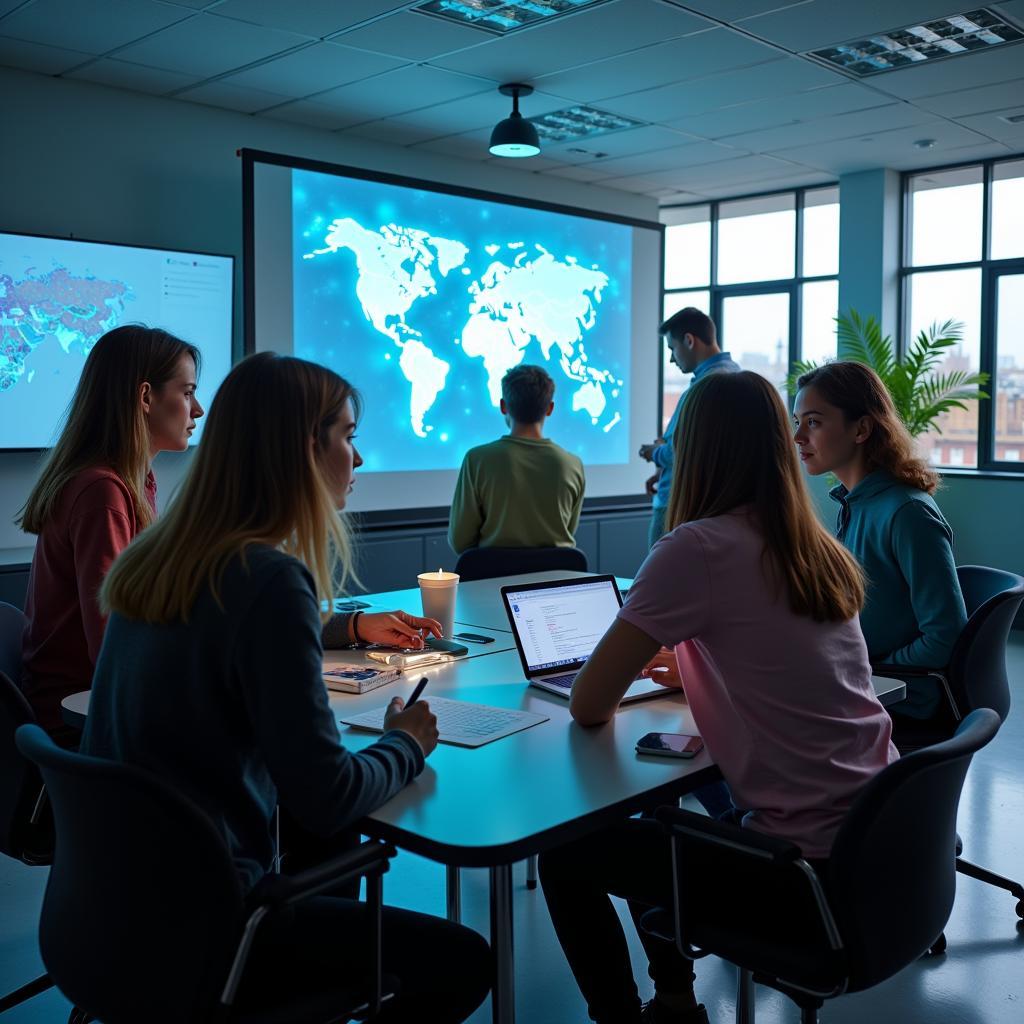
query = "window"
x=964 y=260
x=765 y=269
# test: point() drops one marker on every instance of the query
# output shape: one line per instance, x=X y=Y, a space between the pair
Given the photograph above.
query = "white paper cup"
x=437 y=592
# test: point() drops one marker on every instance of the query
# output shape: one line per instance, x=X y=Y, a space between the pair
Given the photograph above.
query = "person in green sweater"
x=523 y=490
x=846 y=424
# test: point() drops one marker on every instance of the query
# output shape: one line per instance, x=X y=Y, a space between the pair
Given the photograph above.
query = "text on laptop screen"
x=562 y=625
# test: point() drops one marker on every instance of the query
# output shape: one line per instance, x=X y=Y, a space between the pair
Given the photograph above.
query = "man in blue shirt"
x=693 y=341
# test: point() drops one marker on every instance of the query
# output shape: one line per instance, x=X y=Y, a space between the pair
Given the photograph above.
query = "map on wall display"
x=424 y=301
x=58 y=297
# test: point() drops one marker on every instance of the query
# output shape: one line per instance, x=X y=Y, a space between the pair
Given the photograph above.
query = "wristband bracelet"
x=356 y=638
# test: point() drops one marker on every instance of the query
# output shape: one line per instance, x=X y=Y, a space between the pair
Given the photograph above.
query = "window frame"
x=719 y=292
x=990 y=270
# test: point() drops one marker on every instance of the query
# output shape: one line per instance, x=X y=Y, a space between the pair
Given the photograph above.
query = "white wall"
x=86 y=160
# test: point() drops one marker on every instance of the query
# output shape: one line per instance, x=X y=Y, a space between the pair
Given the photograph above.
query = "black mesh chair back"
x=20 y=783
x=487 y=563
x=977 y=670
x=892 y=873
x=143 y=908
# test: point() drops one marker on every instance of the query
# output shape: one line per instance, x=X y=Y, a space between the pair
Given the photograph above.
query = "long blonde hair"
x=105 y=424
x=733 y=449
x=856 y=390
x=256 y=479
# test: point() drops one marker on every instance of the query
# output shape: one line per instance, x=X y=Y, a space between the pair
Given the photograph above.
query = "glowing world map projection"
x=424 y=301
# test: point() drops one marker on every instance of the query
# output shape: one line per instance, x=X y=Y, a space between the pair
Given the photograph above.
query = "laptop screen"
x=561 y=625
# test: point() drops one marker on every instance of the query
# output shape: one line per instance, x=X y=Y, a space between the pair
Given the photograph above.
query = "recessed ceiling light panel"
x=502 y=16
x=919 y=44
x=580 y=123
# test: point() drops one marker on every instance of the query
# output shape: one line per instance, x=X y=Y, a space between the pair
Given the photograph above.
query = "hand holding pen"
x=414 y=717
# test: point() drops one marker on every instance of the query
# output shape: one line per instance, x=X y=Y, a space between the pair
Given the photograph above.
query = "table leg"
x=503 y=995
x=744 y=997
x=453 y=895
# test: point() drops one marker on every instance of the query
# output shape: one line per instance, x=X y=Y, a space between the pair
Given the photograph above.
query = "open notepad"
x=459 y=721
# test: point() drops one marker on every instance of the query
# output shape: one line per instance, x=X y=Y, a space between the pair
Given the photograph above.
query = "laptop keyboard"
x=564 y=680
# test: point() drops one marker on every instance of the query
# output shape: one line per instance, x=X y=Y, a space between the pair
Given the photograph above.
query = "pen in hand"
x=416 y=693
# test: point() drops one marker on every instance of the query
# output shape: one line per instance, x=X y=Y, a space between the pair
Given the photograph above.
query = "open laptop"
x=557 y=625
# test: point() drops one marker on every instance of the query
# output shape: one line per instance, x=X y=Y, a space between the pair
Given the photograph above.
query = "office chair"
x=884 y=897
x=144 y=917
x=25 y=832
x=974 y=678
x=487 y=563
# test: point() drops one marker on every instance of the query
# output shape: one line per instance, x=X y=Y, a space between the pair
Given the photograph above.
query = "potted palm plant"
x=920 y=393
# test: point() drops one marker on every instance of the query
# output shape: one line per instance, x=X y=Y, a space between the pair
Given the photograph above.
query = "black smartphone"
x=474 y=638
x=447 y=646
x=669 y=744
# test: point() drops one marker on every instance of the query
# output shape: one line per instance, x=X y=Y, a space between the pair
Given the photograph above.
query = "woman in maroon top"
x=136 y=397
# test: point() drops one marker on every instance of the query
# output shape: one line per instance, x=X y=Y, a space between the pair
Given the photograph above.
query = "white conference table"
x=492 y=806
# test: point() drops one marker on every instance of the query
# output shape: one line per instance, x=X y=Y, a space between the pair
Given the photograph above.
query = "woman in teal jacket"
x=846 y=424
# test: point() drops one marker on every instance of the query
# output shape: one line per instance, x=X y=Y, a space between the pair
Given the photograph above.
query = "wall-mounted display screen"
x=59 y=296
x=425 y=298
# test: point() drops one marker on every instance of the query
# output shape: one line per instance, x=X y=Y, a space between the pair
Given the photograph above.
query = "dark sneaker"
x=657 y=1013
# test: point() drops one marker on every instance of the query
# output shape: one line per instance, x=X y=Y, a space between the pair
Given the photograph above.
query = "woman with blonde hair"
x=210 y=675
x=136 y=397
x=846 y=424
x=757 y=606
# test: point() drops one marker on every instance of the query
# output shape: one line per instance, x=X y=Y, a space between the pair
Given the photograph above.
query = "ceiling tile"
x=893 y=149
x=394 y=131
x=122 y=75
x=313 y=69
x=731 y=10
x=468 y=146
x=777 y=78
x=994 y=127
x=483 y=109
x=207 y=45
x=395 y=92
x=6 y=6
x=797 y=179
x=841 y=126
x=232 y=97
x=45 y=60
x=194 y=5
x=634 y=183
x=412 y=36
x=802 y=106
x=969 y=72
x=316 y=18
x=592 y=34
x=582 y=172
x=628 y=142
x=811 y=26
x=974 y=101
x=77 y=26
x=310 y=113
x=739 y=170
x=666 y=159
x=653 y=66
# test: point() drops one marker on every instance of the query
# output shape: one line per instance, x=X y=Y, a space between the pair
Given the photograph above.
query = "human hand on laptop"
x=663 y=669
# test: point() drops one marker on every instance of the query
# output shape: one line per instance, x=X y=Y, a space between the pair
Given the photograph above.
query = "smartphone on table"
x=669 y=744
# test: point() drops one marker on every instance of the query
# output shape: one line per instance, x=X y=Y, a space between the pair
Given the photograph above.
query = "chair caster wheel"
x=938 y=947
x=1020 y=909
x=531 y=883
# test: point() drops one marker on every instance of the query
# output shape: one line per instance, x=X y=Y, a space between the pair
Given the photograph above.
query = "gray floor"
x=979 y=981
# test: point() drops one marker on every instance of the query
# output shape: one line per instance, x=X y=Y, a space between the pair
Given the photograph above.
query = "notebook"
x=357 y=677
x=557 y=625
x=460 y=722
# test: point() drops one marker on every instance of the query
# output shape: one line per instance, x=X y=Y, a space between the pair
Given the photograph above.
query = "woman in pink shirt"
x=754 y=607
x=136 y=397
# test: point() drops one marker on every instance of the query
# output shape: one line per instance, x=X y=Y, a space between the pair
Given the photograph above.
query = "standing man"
x=523 y=490
x=693 y=342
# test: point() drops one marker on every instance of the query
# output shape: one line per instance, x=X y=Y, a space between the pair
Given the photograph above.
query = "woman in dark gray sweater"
x=210 y=671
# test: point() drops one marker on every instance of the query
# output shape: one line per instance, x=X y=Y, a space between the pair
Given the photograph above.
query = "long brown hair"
x=105 y=424
x=856 y=390
x=256 y=479
x=734 y=449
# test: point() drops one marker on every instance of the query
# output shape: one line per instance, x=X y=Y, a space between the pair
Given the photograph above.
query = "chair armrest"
x=699 y=828
x=277 y=891
x=890 y=671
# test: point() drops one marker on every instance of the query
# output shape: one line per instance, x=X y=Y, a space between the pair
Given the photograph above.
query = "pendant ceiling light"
x=515 y=136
